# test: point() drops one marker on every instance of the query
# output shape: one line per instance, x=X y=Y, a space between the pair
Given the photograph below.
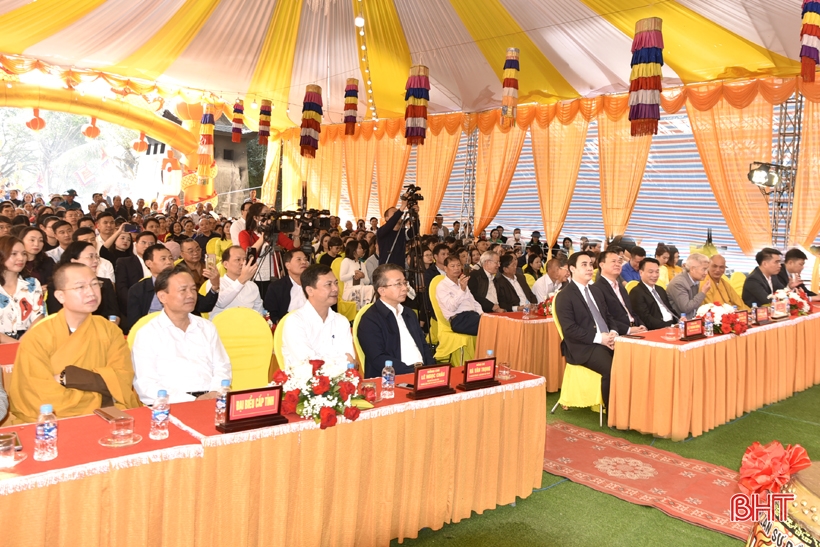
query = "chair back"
x=345 y=307
x=530 y=279
x=249 y=344
x=555 y=320
x=319 y=256
x=137 y=326
x=277 y=342
x=631 y=285
x=737 y=282
x=359 y=351
x=443 y=324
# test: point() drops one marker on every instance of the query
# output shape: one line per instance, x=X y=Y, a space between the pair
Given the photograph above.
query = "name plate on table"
x=693 y=330
x=743 y=317
x=252 y=409
x=479 y=374
x=762 y=315
x=781 y=310
x=431 y=381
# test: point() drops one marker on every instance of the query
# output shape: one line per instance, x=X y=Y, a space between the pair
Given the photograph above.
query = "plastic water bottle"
x=351 y=370
x=112 y=318
x=753 y=314
x=734 y=309
x=160 y=415
x=45 y=437
x=709 y=324
x=682 y=326
x=526 y=309
x=388 y=380
x=490 y=354
x=221 y=402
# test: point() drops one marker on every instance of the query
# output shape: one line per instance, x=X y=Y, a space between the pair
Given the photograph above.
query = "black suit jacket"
x=128 y=272
x=478 y=285
x=277 y=298
x=615 y=308
x=756 y=289
x=141 y=295
x=577 y=323
x=429 y=274
x=380 y=340
x=647 y=309
x=507 y=297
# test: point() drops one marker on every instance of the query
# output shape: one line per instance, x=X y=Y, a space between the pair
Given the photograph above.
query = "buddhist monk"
x=721 y=291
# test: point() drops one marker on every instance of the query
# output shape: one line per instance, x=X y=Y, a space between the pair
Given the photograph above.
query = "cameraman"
x=256 y=222
x=391 y=236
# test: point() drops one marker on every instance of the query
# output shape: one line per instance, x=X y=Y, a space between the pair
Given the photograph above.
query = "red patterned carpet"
x=690 y=490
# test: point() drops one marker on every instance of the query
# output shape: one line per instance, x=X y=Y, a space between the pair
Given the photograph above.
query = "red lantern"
x=91 y=130
x=36 y=123
x=140 y=146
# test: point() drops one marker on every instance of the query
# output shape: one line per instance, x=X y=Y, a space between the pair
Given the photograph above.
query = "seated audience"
x=629 y=272
x=763 y=280
x=334 y=247
x=62 y=232
x=615 y=295
x=142 y=297
x=556 y=278
x=315 y=331
x=390 y=331
x=685 y=291
x=650 y=302
x=482 y=283
x=662 y=255
x=589 y=331
x=105 y=268
x=21 y=298
x=38 y=265
x=85 y=252
x=721 y=291
x=533 y=267
x=76 y=361
x=236 y=290
x=789 y=274
x=672 y=267
x=176 y=350
x=130 y=269
x=511 y=286
x=456 y=302
x=353 y=274
x=285 y=295
x=192 y=258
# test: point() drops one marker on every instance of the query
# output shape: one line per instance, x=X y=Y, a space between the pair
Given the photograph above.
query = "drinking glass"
x=503 y=371
x=122 y=430
x=6 y=450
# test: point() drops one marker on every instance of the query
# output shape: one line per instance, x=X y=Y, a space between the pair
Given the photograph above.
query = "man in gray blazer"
x=684 y=290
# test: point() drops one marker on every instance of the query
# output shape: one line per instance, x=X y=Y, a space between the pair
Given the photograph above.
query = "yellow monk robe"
x=48 y=347
x=724 y=293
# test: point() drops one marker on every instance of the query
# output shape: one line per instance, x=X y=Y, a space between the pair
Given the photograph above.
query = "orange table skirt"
x=673 y=390
x=531 y=346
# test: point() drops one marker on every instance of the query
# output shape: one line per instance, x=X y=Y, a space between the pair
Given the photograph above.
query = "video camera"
x=412 y=196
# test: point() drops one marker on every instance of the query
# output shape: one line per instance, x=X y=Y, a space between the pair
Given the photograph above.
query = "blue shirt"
x=628 y=273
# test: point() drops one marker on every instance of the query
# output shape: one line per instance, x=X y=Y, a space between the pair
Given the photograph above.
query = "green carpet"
x=566 y=514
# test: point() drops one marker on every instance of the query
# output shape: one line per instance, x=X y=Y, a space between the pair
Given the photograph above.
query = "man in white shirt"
x=178 y=351
x=649 y=300
x=236 y=288
x=105 y=269
x=457 y=303
x=389 y=331
x=62 y=231
x=315 y=331
x=106 y=226
x=239 y=225
x=556 y=278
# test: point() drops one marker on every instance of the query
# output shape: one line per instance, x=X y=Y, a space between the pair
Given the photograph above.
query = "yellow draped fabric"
x=557 y=148
x=805 y=222
x=323 y=174
x=392 y=155
x=35 y=21
x=271 y=180
x=49 y=347
x=622 y=159
x=729 y=139
x=724 y=293
x=434 y=163
x=496 y=158
x=360 y=154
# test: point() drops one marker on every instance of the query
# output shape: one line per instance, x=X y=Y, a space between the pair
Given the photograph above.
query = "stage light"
x=764 y=175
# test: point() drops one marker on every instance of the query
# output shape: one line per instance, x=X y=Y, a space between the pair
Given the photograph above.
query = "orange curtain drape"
x=557 y=147
x=323 y=173
x=360 y=154
x=434 y=163
x=622 y=160
x=729 y=139
x=805 y=222
x=392 y=155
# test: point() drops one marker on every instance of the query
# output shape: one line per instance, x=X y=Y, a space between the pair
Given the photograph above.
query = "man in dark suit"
x=617 y=299
x=511 y=286
x=440 y=253
x=650 y=302
x=589 y=331
x=389 y=331
x=481 y=283
x=129 y=270
x=285 y=294
x=763 y=280
x=789 y=275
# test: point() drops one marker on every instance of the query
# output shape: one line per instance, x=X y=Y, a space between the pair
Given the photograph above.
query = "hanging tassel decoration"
x=311 y=121
x=237 y=121
x=351 y=105
x=645 y=79
x=205 y=152
x=141 y=145
x=416 y=97
x=810 y=40
x=264 y=121
x=36 y=123
x=509 y=92
x=91 y=131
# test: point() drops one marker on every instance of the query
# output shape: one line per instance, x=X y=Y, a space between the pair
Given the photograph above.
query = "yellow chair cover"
x=449 y=342
x=530 y=279
x=359 y=351
x=631 y=285
x=216 y=247
x=137 y=326
x=434 y=330
x=319 y=257
x=277 y=342
x=203 y=291
x=346 y=308
x=737 y=281
x=581 y=387
x=249 y=343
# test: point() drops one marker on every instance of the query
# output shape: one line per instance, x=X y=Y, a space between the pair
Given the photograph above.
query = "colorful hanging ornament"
x=509 y=92
x=810 y=40
x=351 y=105
x=264 y=121
x=416 y=97
x=36 y=123
x=311 y=121
x=645 y=79
x=91 y=131
x=140 y=146
x=238 y=119
x=206 y=145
